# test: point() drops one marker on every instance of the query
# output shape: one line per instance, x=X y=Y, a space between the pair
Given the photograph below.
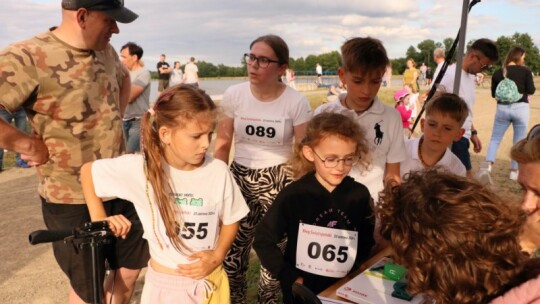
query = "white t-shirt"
x=466 y=91
x=413 y=163
x=413 y=105
x=264 y=131
x=384 y=132
x=190 y=71
x=210 y=187
x=437 y=70
x=177 y=77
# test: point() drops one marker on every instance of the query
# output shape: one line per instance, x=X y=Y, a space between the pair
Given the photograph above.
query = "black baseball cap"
x=113 y=8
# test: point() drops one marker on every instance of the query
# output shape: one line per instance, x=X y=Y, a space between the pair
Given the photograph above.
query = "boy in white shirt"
x=442 y=125
x=364 y=62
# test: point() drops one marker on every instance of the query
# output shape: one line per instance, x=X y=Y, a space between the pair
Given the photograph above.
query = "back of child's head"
x=322 y=126
x=367 y=55
x=458 y=239
x=527 y=150
x=174 y=108
x=449 y=104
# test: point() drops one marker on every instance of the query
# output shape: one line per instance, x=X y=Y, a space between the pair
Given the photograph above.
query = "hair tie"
x=151 y=111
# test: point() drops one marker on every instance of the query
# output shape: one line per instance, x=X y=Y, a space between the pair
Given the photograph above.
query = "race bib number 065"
x=326 y=251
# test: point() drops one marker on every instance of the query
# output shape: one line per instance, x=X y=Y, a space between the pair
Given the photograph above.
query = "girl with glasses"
x=326 y=215
x=263 y=116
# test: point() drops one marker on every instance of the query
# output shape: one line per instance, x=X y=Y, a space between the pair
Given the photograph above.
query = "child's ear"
x=341 y=74
x=422 y=122
x=308 y=153
x=460 y=134
x=165 y=134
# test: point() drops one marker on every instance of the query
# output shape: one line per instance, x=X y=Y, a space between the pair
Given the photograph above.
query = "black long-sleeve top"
x=307 y=201
x=521 y=75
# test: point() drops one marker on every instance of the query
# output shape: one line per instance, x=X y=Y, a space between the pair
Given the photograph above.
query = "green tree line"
x=422 y=53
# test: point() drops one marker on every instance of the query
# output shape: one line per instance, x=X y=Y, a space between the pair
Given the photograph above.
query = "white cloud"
x=221 y=31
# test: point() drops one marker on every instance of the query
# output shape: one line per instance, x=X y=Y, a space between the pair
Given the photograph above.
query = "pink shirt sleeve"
x=528 y=292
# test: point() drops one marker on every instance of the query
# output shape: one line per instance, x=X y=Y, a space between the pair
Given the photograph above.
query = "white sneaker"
x=483 y=175
x=486 y=165
x=513 y=175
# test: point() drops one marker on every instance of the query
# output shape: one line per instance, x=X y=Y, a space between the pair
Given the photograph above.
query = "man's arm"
x=31 y=148
x=125 y=91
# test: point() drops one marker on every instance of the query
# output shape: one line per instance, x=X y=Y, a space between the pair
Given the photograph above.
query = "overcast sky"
x=220 y=31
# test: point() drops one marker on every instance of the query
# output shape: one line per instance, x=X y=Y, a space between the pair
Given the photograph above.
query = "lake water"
x=218 y=86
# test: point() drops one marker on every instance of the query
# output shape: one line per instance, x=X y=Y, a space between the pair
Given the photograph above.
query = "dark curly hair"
x=458 y=239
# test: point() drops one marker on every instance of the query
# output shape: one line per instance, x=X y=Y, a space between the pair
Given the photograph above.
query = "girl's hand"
x=119 y=225
x=208 y=260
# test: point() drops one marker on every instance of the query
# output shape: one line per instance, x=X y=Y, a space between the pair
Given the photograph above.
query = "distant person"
x=74 y=89
x=335 y=90
x=439 y=58
x=429 y=76
x=511 y=112
x=481 y=55
x=263 y=117
x=323 y=199
x=423 y=71
x=139 y=97
x=177 y=77
x=191 y=73
x=458 y=241
x=445 y=115
x=164 y=74
x=387 y=78
x=363 y=64
x=290 y=78
x=188 y=202
x=19 y=118
x=402 y=99
x=318 y=71
x=410 y=76
x=413 y=102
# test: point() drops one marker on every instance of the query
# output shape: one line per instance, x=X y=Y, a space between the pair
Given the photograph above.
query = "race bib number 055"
x=326 y=251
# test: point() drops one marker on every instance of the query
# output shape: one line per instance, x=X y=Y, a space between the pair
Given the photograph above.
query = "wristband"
x=474 y=132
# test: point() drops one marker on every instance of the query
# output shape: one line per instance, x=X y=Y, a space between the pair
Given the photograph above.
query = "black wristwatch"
x=474 y=132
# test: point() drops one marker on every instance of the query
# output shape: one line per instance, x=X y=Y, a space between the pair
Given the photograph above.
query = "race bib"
x=326 y=251
x=268 y=131
x=199 y=227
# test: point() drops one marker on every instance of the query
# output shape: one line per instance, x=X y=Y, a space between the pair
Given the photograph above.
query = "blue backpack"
x=507 y=91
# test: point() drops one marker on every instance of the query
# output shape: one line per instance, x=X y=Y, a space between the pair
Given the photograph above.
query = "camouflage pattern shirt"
x=71 y=97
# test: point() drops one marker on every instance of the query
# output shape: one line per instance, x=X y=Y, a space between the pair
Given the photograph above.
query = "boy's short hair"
x=367 y=54
x=449 y=104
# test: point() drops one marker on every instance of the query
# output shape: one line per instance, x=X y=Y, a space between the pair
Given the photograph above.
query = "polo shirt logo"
x=378 y=133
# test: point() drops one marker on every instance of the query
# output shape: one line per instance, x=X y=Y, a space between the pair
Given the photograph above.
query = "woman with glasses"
x=511 y=112
x=264 y=116
x=325 y=214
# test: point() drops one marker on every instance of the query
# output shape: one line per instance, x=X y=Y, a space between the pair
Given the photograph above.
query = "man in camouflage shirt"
x=74 y=90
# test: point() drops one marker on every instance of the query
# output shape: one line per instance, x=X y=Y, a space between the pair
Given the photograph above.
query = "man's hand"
x=477 y=144
x=38 y=153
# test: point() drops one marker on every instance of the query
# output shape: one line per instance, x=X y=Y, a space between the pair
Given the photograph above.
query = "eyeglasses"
x=263 y=62
x=484 y=66
x=534 y=132
x=332 y=162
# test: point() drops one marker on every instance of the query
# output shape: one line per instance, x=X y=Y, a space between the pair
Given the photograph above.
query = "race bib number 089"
x=326 y=251
x=261 y=130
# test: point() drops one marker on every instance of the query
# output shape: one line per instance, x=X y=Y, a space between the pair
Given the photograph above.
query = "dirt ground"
x=29 y=274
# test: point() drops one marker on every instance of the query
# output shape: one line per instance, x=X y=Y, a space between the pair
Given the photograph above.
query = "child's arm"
x=224 y=139
x=118 y=224
x=210 y=259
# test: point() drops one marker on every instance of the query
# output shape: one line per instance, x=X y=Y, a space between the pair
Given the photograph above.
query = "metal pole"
x=461 y=46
